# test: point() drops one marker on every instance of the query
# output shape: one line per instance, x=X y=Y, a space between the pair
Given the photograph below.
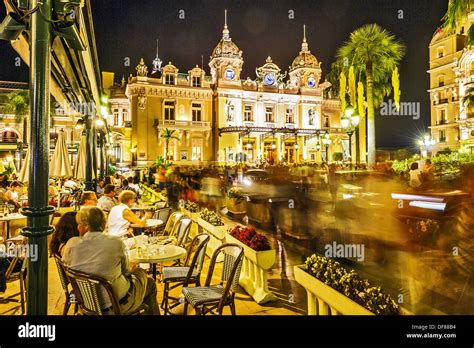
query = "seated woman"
x=121 y=216
x=13 y=192
x=66 y=228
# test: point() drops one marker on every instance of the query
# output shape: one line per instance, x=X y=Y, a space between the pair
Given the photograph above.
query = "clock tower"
x=226 y=60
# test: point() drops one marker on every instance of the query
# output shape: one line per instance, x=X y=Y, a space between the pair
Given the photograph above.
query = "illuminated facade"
x=222 y=118
x=451 y=74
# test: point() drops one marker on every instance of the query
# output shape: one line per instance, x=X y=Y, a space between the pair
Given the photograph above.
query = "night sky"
x=129 y=29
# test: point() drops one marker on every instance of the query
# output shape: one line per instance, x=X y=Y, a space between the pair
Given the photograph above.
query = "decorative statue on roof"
x=142 y=69
x=311 y=113
x=230 y=111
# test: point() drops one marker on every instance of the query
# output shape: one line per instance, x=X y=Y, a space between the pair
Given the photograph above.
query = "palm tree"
x=374 y=53
x=168 y=134
x=18 y=103
x=468 y=100
x=456 y=15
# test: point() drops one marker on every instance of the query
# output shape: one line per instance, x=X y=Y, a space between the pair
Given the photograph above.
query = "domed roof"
x=305 y=59
x=269 y=65
x=225 y=47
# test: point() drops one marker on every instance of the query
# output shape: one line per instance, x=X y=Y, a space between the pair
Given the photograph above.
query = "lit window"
x=248 y=113
x=441 y=81
x=327 y=123
x=269 y=114
x=116 y=116
x=442 y=136
x=196 y=112
x=169 y=110
x=196 y=153
x=290 y=115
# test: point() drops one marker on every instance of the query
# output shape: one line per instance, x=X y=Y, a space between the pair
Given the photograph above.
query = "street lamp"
x=426 y=142
x=79 y=124
x=350 y=123
x=327 y=141
x=133 y=150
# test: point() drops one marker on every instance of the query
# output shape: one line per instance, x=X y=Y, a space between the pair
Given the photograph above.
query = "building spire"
x=304 y=45
x=225 y=32
x=157 y=61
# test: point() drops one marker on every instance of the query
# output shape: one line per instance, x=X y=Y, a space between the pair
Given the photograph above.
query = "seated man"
x=89 y=199
x=107 y=201
x=97 y=253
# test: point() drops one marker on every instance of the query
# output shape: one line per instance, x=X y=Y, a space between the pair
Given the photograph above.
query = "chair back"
x=197 y=250
x=162 y=214
x=233 y=257
x=15 y=260
x=172 y=222
x=182 y=230
x=161 y=205
x=62 y=272
x=87 y=288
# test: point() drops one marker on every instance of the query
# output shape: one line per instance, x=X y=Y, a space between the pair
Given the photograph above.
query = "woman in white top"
x=415 y=175
x=121 y=216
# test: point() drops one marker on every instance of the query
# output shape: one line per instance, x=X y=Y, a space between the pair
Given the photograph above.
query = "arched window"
x=8 y=136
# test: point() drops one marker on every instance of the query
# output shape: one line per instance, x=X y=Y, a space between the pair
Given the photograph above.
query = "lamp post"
x=351 y=123
x=327 y=141
x=425 y=143
x=133 y=150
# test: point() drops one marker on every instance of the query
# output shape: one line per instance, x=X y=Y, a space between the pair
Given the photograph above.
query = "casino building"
x=275 y=117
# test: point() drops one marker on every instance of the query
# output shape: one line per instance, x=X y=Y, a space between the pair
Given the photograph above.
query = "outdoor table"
x=150 y=223
x=10 y=217
x=154 y=254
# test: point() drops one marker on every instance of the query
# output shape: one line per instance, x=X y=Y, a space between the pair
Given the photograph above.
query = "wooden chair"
x=87 y=290
x=189 y=273
x=213 y=298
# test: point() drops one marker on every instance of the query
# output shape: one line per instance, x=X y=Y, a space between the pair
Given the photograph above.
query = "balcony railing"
x=441 y=122
x=442 y=140
x=8 y=139
x=184 y=123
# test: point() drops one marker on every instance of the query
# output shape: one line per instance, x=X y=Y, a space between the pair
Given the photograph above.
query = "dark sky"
x=129 y=28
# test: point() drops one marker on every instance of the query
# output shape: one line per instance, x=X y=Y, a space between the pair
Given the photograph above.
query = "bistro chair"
x=87 y=289
x=69 y=295
x=189 y=273
x=16 y=272
x=181 y=231
x=161 y=205
x=162 y=214
x=213 y=298
x=172 y=222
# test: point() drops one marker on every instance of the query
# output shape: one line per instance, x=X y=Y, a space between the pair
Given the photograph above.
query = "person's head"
x=109 y=190
x=127 y=197
x=125 y=183
x=89 y=199
x=66 y=228
x=428 y=161
x=90 y=219
x=107 y=181
x=130 y=180
x=414 y=166
x=100 y=182
x=136 y=180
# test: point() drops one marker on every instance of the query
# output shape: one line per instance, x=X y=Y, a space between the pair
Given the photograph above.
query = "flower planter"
x=324 y=300
x=216 y=234
x=235 y=205
x=253 y=276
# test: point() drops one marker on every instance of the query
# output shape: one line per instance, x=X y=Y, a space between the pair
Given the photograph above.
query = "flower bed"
x=211 y=217
x=213 y=225
x=235 y=201
x=349 y=284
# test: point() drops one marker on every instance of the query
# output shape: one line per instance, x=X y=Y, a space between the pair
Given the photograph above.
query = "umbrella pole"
x=38 y=211
x=89 y=183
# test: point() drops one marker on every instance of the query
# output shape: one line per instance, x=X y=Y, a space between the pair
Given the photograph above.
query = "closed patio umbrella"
x=60 y=166
x=80 y=167
x=25 y=168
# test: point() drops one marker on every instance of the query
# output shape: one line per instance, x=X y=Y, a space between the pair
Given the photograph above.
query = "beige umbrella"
x=80 y=167
x=60 y=166
x=25 y=169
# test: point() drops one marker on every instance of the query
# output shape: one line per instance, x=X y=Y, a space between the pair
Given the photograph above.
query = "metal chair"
x=189 y=273
x=12 y=274
x=181 y=230
x=69 y=295
x=163 y=215
x=87 y=289
x=172 y=222
x=213 y=298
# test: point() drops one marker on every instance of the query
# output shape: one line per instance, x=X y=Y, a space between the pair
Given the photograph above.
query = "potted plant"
x=212 y=223
x=339 y=291
x=259 y=257
x=190 y=209
x=235 y=201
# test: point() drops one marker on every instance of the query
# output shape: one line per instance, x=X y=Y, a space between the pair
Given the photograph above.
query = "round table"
x=153 y=256
x=10 y=217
